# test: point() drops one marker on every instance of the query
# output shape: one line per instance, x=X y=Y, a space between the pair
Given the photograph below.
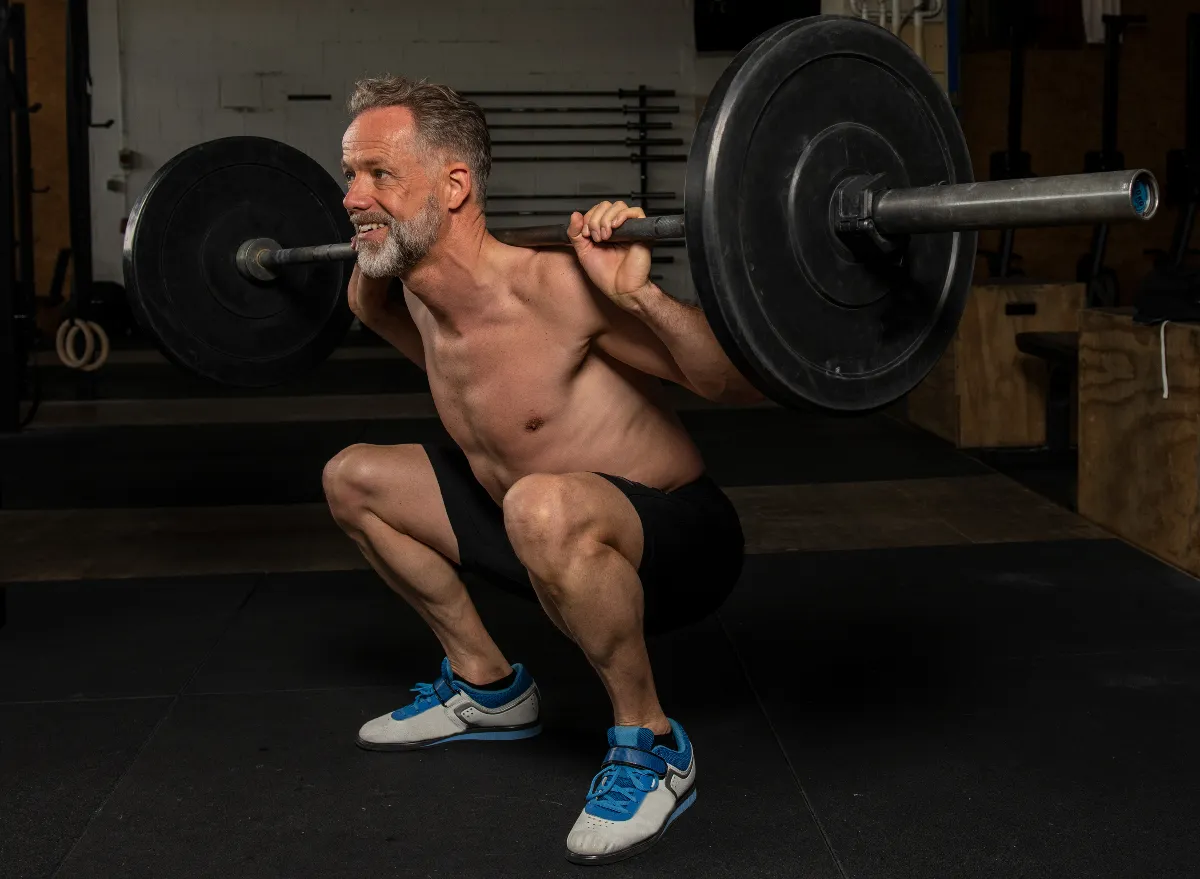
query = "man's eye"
x=379 y=173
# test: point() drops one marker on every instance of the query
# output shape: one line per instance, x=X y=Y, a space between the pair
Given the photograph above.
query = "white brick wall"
x=177 y=73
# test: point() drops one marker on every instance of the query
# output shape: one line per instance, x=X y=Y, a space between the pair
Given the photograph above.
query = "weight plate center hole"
x=837 y=154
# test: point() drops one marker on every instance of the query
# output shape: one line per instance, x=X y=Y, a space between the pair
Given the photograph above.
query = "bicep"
x=625 y=338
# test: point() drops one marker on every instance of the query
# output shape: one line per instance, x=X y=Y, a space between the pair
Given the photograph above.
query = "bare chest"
x=497 y=388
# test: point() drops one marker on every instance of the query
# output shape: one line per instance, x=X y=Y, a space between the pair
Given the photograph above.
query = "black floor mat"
x=59 y=762
x=1080 y=766
x=944 y=606
x=266 y=781
x=92 y=640
x=1015 y=710
x=1023 y=709
x=321 y=630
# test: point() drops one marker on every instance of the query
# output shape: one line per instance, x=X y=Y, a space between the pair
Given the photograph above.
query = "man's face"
x=389 y=196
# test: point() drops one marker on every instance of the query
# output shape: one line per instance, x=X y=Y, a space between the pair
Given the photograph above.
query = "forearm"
x=686 y=333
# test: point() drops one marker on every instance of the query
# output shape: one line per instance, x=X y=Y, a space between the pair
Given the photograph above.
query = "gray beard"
x=404 y=246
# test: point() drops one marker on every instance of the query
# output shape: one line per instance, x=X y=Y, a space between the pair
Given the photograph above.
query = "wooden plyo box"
x=1139 y=454
x=984 y=393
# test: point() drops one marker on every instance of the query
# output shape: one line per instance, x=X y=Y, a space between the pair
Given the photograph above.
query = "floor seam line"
x=783 y=751
x=112 y=790
x=157 y=727
x=87 y=700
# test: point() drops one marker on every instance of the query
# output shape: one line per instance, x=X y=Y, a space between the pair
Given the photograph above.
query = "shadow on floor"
x=1053 y=475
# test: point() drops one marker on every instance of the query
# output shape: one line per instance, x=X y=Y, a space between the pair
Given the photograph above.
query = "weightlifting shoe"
x=638 y=792
x=452 y=711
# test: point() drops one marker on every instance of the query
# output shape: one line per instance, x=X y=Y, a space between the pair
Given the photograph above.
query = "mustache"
x=364 y=219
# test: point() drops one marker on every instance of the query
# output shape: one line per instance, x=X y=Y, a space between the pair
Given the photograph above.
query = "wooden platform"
x=984 y=392
x=1139 y=453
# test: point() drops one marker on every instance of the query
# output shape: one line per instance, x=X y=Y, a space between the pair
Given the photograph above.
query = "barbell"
x=830 y=220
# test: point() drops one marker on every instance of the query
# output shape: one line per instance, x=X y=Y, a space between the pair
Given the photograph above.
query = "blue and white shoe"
x=451 y=711
x=638 y=792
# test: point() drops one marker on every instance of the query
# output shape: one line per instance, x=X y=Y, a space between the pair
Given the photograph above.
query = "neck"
x=454 y=279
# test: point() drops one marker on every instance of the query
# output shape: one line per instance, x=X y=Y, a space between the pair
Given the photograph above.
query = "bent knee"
x=545 y=512
x=354 y=477
x=346 y=480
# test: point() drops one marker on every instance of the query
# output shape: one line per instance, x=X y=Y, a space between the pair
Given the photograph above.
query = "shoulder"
x=557 y=266
x=554 y=283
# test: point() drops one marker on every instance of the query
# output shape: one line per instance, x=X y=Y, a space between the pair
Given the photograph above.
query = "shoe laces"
x=426 y=698
x=620 y=788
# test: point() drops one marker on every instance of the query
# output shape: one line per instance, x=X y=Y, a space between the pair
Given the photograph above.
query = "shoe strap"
x=637 y=758
x=443 y=690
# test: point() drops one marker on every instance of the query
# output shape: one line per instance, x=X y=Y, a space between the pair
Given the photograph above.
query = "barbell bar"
x=1070 y=199
x=830 y=228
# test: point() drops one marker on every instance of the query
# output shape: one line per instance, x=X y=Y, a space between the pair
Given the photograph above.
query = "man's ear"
x=460 y=185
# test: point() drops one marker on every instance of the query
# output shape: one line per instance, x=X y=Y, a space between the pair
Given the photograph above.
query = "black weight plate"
x=180 y=272
x=804 y=106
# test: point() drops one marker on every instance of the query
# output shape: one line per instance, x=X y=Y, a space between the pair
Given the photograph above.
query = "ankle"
x=657 y=724
x=480 y=674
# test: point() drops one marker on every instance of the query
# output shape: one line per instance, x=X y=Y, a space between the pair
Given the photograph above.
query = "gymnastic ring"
x=102 y=357
x=64 y=343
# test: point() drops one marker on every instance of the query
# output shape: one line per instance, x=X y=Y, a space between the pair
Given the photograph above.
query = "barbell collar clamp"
x=851 y=214
x=249 y=259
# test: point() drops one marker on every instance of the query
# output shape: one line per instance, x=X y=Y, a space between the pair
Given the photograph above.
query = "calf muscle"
x=387 y=500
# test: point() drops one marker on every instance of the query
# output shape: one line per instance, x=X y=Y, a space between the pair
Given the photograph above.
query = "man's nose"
x=356 y=198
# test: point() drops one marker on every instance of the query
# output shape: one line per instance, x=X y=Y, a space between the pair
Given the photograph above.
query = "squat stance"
x=570 y=480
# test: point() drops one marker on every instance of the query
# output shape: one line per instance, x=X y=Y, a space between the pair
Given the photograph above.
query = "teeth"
x=370 y=227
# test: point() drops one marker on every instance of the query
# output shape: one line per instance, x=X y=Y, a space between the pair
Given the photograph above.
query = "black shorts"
x=693 y=541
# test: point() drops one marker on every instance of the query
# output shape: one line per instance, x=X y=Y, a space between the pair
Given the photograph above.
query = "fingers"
x=591 y=222
x=577 y=225
x=600 y=221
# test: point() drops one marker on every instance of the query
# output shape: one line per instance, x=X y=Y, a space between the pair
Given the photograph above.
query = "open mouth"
x=371 y=232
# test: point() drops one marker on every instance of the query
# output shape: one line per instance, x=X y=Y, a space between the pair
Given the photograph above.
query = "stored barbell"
x=830 y=219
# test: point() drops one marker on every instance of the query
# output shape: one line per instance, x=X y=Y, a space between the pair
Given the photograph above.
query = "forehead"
x=383 y=131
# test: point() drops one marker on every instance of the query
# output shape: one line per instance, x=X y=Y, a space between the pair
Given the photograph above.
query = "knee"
x=348 y=479
x=548 y=521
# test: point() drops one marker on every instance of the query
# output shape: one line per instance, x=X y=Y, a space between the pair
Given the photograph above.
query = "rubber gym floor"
x=928 y=669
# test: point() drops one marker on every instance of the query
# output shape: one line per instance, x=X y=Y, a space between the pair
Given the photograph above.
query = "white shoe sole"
x=638 y=848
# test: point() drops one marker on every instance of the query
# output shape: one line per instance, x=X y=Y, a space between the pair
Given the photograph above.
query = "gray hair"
x=446 y=122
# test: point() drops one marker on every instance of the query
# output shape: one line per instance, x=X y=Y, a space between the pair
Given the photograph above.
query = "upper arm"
x=396 y=326
x=611 y=329
x=408 y=335
x=627 y=339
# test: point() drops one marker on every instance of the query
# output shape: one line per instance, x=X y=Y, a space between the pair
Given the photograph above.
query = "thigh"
x=477 y=522
x=693 y=551
x=402 y=490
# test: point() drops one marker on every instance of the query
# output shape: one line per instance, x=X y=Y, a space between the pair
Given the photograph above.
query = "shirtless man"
x=571 y=481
